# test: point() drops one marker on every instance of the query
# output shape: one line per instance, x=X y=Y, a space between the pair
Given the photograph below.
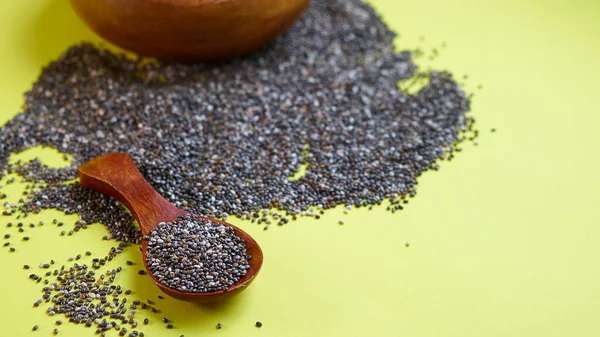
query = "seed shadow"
x=52 y=29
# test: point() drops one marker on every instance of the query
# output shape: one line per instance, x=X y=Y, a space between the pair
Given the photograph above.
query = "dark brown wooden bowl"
x=190 y=30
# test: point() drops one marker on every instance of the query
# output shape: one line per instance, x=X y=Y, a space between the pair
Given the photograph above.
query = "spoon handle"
x=116 y=175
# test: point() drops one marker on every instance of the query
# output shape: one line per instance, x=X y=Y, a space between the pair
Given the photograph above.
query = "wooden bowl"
x=190 y=30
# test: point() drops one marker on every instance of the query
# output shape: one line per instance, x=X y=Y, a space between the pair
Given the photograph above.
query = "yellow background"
x=505 y=239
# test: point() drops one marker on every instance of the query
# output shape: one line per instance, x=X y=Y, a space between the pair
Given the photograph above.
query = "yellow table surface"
x=504 y=239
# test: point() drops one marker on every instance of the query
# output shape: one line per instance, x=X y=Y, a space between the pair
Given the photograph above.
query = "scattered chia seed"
x=196 y=255
x=219 y=326
x=88 y=297
x=35 y=327
x=223 y=139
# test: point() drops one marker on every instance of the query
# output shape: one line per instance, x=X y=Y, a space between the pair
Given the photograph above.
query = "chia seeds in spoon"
x=196 y=255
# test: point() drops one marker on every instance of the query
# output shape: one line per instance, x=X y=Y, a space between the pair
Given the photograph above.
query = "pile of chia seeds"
x=224 y=138
x=195 y=255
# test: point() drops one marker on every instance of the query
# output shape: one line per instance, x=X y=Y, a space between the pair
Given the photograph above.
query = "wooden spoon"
x=115 y=174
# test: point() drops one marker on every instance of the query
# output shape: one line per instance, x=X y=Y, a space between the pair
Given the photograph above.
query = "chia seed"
x=195 y=255
x=228 y=138
x=84 y=296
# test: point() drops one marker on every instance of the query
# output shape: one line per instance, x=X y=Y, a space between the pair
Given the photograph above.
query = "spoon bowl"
x=116 y=175
x=252 y=249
